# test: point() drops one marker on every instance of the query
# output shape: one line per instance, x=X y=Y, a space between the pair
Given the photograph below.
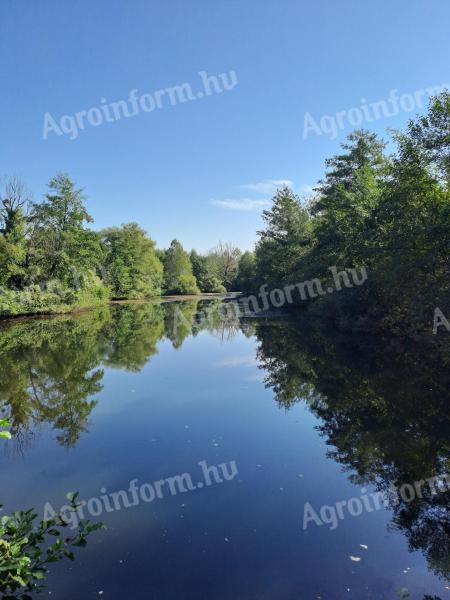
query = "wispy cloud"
x=307 y=189
x=242 y=204
x=268 y=187
x=237 y=361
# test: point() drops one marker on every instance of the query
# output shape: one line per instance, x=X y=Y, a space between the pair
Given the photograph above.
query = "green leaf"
x=72 y=496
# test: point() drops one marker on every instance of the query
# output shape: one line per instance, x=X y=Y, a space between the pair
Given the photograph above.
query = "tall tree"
x=205 y=273
x=412 y=238
x=431 y=133
x=284 y=241
x=246 y=275
x=131 y=268
x=62 y=243
x=346 y=199
x=224 y=261
x=178 y=275
x=13 y=202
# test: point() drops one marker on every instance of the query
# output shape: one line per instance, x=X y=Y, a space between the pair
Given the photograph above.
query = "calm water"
x=147 y=392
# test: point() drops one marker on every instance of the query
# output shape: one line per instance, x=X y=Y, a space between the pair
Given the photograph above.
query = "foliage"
x=284 y=242
x=131 y=268
x=12 y=247
x=61 y=243
x=205 y=272
x=223 y=263
x=55 y=297
x=389 y=214
x=4 y=423
x=246 y=273
x=178 y=275
x=26 y=549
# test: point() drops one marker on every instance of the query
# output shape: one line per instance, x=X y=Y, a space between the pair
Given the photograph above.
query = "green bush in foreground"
x=5 y=434
x=25 y=551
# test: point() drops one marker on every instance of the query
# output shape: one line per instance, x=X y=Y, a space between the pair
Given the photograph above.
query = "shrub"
x=187 y=284
x=23 y=559
x=54 y=297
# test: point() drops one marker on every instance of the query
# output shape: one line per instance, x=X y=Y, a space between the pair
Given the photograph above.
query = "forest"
x=384 y=206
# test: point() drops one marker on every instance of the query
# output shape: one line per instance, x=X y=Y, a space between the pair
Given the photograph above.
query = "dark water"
x=294 y=412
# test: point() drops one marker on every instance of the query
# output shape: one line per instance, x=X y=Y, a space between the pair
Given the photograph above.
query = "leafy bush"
x=186 y=284
x=216 y=287
x=55 y=298
x=23 y=559
x=5 y=434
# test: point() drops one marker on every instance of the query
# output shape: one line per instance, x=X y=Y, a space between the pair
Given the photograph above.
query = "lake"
x=270 y=458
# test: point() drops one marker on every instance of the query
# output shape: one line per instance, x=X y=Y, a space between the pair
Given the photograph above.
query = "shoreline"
x=153 y=300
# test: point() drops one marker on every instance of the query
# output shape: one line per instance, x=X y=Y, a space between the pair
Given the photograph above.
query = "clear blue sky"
x=184 y=170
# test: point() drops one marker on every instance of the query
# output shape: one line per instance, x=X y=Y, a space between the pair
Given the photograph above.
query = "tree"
x=204 y=272
x=178 y=275
x=245 y=279
x=431 y=134
x=131 y=268
x=62 y=244
x=224 y=261
x=13 y=233
x=412 y=222
x=346 y=199
x=284 y=242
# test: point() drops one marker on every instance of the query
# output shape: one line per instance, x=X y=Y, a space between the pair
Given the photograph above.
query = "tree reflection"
x=179 y=320
x=52 y=369
x=49 y=372
x=132 y=335
x=382 y=402
x=383 y=405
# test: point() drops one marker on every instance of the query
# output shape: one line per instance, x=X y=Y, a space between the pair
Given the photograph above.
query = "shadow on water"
x=384 y=411
x=383 y=404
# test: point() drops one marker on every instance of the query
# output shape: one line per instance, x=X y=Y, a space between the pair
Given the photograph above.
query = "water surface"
x=147 y=392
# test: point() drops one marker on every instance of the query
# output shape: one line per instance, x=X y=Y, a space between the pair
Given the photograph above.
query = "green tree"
x=205 y=273
x=431 y=133
x=224 y=263
x=345 y=201
x=13 y=233
x=131 y=268
x=62 y=245
x=412 y=233
x=178 y=275
x=284 y=242
x=246 y=275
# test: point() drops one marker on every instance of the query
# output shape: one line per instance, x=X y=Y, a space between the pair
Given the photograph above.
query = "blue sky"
x=202 y=170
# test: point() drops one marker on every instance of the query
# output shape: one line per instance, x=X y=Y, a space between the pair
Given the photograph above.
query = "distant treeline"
x=387 y=213
x=50 y=261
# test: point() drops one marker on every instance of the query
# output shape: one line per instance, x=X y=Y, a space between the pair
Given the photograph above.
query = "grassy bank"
x=34 y=302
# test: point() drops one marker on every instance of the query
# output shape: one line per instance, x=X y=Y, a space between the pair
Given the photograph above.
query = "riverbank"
x=66 y=309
